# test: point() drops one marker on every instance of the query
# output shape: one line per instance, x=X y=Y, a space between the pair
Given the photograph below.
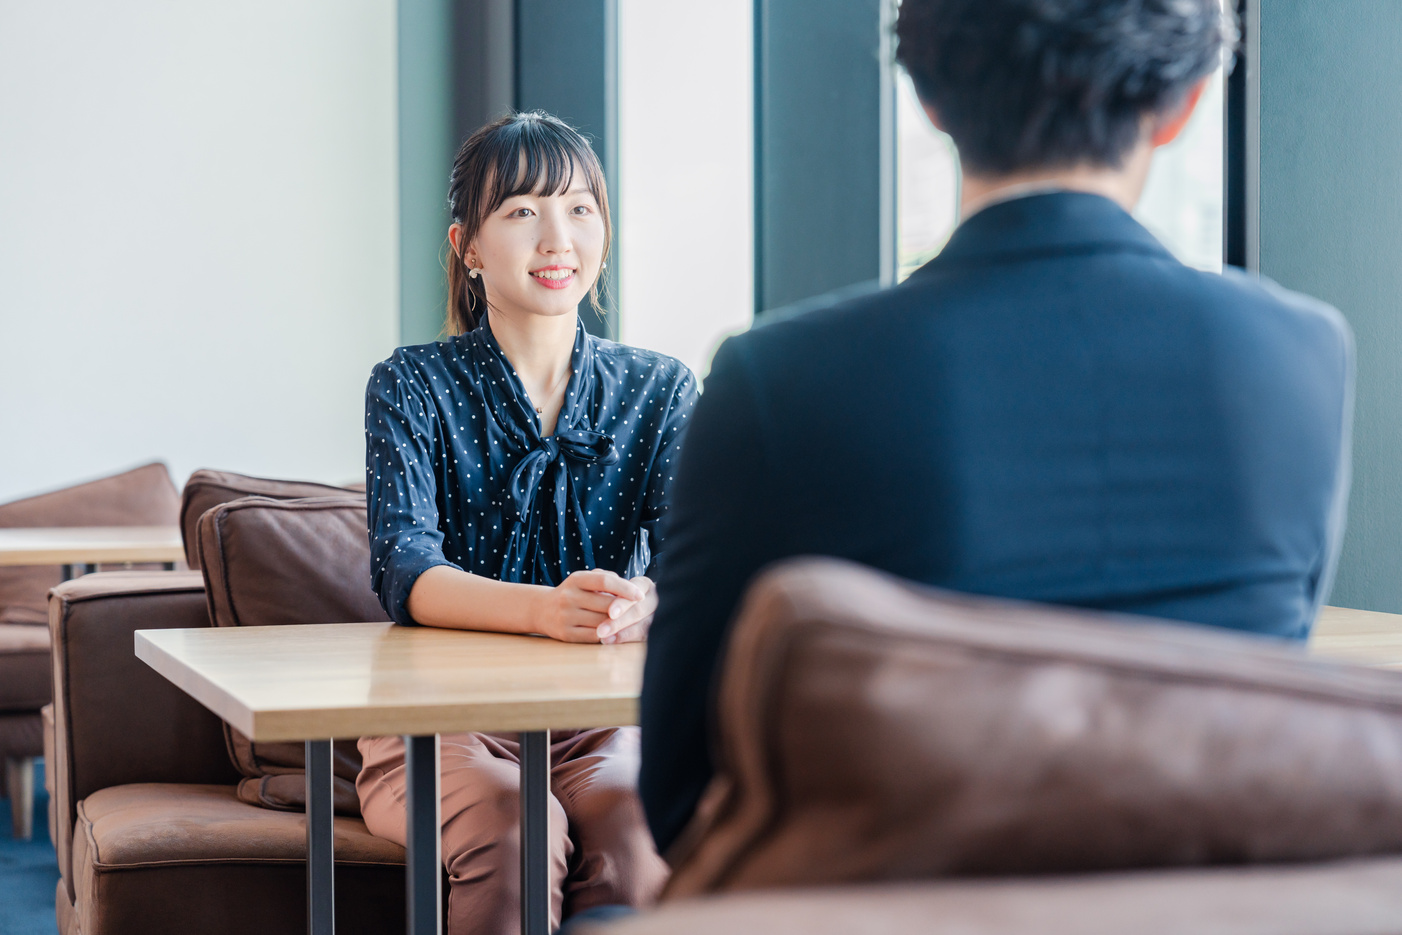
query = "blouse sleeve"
x=664 y=465
x=401 y=487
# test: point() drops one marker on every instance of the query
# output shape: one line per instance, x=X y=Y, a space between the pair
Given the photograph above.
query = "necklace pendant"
x=539 y=410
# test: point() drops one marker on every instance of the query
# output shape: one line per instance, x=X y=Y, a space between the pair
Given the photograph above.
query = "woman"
x=516 y=474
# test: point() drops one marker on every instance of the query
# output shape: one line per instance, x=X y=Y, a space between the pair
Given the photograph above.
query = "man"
x=1054 y=409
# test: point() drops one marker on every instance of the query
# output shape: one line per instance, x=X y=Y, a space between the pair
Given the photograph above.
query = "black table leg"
x=422 y=836
x=321 y=857
x=168 y=566
x=67 y=572
x=535 y=832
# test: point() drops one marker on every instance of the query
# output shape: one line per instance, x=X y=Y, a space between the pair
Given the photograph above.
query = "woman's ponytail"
x=464 y=295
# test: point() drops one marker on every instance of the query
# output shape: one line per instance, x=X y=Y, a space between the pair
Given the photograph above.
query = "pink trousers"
x=600 y=850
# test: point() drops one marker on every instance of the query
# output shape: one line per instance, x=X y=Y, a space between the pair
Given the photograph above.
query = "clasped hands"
x=599 y=606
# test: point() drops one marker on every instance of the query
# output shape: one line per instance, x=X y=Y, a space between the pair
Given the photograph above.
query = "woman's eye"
x=582 y=209
x=521 y=213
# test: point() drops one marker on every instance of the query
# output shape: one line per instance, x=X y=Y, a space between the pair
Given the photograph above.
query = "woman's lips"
x=564 y=280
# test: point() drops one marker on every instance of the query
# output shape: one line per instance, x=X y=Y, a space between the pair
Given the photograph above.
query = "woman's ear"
x=455 y=233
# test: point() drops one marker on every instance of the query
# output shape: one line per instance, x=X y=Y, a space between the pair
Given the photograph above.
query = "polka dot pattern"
x=457 y=472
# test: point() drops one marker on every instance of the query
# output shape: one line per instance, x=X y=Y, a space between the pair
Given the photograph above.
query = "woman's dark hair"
x=520 y=154
x=1022 y=84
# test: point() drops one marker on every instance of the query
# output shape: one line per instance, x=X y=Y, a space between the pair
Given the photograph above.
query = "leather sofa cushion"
x=207 y=489
x=143 y=496
x=272 y=562
x=872 y=730
x=24 y=667
x=1348 y=898
x=165 y=858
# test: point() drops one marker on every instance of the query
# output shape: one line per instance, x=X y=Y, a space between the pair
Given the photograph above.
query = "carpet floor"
x=28 y=871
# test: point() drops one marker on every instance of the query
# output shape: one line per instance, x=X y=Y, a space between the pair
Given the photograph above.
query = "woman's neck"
x=539 y=349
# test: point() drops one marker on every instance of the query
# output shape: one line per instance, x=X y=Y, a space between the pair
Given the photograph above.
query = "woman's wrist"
x=533 y=610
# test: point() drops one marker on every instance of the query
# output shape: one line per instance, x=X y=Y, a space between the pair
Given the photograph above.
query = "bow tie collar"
x=548 y=515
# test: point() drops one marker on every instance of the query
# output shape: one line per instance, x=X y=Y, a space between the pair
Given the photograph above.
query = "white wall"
x=686 y=155
x=198 y=255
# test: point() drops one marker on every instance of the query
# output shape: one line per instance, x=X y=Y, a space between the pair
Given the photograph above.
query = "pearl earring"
x=474 y=272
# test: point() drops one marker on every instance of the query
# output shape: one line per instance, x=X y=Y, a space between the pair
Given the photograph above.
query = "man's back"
x=1054 y=409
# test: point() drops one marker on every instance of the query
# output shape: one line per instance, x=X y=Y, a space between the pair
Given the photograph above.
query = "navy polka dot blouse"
x=457 y=473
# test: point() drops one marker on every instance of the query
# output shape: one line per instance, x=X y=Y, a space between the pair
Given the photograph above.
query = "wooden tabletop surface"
x=1367 y=637
x=75 y=545
x=347 y=680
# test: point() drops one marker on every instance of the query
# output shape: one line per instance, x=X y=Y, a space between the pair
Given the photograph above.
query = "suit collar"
x=1050 y=223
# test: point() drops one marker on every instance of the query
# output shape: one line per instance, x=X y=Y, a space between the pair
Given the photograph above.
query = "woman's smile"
x=554 y=277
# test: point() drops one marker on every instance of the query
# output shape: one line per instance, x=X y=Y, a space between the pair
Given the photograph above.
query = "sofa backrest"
x=272 y=562
x=207 y=489
x=143 y=496
x=869 y=729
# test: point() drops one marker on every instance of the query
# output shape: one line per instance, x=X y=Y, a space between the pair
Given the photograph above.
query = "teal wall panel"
x=427 y=142
x=1331 y=226
x=824 y=148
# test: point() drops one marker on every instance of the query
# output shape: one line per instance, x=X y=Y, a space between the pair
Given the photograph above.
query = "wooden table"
x=346 y=680
x=89 y=546
x=1366 y=637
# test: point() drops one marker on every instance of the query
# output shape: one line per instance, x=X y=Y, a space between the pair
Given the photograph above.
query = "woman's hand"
x=629 y=620
x=574 y=610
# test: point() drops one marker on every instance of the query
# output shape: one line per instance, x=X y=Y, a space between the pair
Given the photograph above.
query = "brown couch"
x=892 y=758
x=151 y=831
x=143 y=496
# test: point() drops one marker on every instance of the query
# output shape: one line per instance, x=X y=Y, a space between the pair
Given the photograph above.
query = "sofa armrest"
x=117 y=721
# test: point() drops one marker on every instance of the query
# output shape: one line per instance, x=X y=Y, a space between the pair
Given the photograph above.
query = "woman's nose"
x=554 y=234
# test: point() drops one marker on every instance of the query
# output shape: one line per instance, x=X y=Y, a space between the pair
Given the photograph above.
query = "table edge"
x=348 y=723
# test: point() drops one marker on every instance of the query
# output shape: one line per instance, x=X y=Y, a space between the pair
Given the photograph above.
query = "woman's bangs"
x=541 y=161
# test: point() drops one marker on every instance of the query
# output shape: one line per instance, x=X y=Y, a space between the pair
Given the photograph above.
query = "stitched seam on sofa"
x=87 y=832
x=223 y=568
x=70 y=770
x=217 y=861
x=1345 y=695
x=144 y=591
x=803 y=613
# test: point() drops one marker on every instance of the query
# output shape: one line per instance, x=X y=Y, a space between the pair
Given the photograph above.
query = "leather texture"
x=24 y=668
x=207 y=489
x=874 y=730
x=143 y=496
x=21 y=735
x=157 y=858
x=271 y=562
x=1348 y=898
x=117 y=721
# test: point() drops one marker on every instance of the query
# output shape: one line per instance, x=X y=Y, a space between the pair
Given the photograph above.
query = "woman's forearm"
x=449 y=597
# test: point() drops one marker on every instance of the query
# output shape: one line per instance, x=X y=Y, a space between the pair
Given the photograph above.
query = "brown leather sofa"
x=143 y=496
x=893 y=758
x=152 y=833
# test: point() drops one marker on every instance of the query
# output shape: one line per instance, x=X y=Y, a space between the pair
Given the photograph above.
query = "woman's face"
x=540 y=254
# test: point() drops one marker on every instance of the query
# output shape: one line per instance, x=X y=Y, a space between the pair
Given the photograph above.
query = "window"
x=1181 y=206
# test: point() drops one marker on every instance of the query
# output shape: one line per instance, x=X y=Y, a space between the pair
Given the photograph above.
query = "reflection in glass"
x=1182 y=202
x=927 y=183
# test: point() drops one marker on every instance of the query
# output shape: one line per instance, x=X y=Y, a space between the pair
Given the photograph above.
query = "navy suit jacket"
x=1054 y=409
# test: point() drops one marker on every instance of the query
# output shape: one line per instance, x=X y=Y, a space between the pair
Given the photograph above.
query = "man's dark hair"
x=1022 y=84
